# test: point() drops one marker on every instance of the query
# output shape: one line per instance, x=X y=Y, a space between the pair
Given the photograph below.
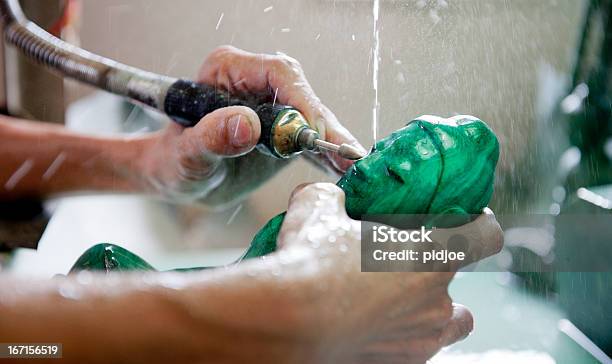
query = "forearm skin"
x=220 y=316
x=40 y=160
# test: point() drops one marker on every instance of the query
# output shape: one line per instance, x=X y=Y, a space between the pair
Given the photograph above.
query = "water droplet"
x=465 y=121
x=554 y=209
x=84 y=277
x=67 y=290
x=219 y=21
x=559 y=193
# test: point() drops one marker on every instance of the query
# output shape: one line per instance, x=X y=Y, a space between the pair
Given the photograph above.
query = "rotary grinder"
x=284 y=130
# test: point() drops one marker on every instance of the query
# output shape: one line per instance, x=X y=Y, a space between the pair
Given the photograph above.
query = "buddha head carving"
x=431 y=166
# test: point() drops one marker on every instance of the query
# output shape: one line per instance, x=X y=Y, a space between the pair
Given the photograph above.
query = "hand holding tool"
x=284 y=130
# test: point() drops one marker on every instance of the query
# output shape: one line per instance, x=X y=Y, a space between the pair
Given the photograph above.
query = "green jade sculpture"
x=432 y=166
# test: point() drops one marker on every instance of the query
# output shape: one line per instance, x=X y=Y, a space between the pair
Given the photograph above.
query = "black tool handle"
x=187 y=102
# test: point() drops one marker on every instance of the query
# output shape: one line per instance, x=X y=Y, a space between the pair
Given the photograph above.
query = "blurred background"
x=535 y=71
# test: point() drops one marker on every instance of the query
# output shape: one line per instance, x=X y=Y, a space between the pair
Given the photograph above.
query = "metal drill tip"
x=350 y=152
x=344 y=150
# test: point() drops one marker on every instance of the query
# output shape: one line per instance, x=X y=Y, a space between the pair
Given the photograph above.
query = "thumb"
x=228 y=132
x=459 y=327
x=310 y=206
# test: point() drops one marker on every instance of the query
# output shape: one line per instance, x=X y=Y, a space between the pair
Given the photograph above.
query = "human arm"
x=40 y=159
x=306 y=303
x=213 y=162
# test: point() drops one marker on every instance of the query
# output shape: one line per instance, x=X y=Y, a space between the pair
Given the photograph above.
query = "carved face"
x=432 y=165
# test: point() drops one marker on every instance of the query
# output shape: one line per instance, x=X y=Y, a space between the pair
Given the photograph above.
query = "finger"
x=425 y=281
x=459 y=327
x=391 y=358
x=426 y=322
x=490 y=229
x=312 y=198
x=290 y=86
x=478 y=239
x=279 y=76
x=235 y=70
x=412 y=350
x=306 y=206
x=308 y=201
x=430 y=316
x=227 y=132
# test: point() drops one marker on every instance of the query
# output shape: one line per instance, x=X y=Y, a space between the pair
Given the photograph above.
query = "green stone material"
x=432 y=166
x=109 y=257
x=264 y=242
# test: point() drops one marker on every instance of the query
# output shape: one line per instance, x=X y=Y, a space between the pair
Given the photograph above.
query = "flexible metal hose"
x=74 y=62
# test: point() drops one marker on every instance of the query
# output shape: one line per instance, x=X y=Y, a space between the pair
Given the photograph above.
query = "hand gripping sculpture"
x=432 y=166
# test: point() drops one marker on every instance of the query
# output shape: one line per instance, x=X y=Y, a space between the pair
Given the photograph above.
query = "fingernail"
x=240 y=130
